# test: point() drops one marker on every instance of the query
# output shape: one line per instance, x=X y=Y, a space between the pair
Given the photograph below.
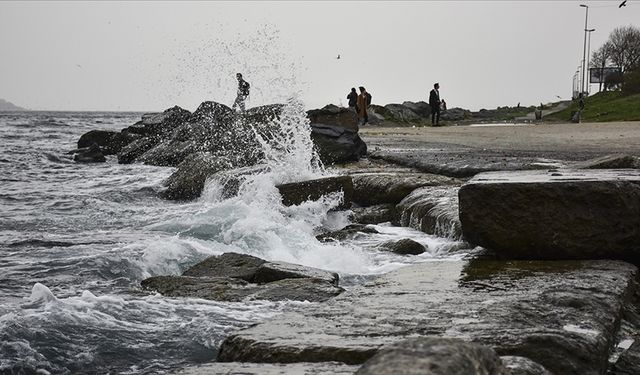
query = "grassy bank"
x=603 y=106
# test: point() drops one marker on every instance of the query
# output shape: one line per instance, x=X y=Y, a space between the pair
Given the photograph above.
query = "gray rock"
x=162 y=123
x=523 y=366
x=561 y=315
x=610 y=162
x=422 y=109
x=110 y=142
x=234 y=265
x=563 y=214
x=629 y=362
x=402 y=113
x=336 y=145
x=405 y=246
x=334 y=116
x=380 y=188
x=298 y=192
x=349 y=231
x=433 y=210
x=274 y=271
x=380 y=213
x=325 y=368
x=129 y=153
x=92 y=154
x=188 y=181
x=455 y=114
x=235 y=290
x=434 y=356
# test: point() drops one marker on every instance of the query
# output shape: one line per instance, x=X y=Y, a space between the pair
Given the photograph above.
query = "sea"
x=77 y=239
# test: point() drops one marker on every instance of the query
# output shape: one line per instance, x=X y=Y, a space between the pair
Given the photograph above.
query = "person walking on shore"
x=434 y=103
x=243 y=92
x=353 y=101
x=364 y=100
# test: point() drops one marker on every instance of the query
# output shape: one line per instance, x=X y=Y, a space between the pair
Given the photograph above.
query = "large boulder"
x=189 y=179
x=434 y=356
x=336 y=144
x=110 y=142
x=405 y=246
x=350 y=231
x=422 y=109
x=334 y=116
x=616 y=161
x=234 y=265
x=381 y=188
x=376 y=214
x=558 y=214
x=164 y=123
x=562 y=315
x=455 y=114
x=298 y=192
x=401 y=113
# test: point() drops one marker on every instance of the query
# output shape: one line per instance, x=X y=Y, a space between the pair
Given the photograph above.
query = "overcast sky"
x=149 y=55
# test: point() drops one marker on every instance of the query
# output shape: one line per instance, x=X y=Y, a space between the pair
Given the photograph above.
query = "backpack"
x=245 y=88
x=368 y=99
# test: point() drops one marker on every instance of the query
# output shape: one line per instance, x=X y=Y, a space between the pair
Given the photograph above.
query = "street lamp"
x=588 y=54
x=584 y=50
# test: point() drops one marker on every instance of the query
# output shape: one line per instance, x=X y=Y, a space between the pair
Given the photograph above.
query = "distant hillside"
x=603 y=106
x=8 y=106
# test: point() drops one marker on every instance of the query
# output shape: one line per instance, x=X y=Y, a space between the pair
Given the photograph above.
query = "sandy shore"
x=596 y=138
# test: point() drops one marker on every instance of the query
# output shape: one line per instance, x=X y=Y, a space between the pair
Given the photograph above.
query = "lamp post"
x=589 y=53
x=584 y=50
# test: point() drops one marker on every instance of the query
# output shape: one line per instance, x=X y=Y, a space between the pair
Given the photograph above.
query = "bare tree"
x=600 y=60
x=625 y=47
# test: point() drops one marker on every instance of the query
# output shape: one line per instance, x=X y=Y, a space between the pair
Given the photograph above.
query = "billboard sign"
x=600 y=75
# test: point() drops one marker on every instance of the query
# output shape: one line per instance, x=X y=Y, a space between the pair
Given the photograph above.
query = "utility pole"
x=584 y=50
x=588 y=67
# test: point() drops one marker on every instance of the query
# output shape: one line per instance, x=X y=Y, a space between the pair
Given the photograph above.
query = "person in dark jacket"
x=434 y=103
x=243 y=92
x=364 y=100
x=353 y=99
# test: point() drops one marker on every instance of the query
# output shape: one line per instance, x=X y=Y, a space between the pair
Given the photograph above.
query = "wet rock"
x=562 y=315
x=164 y=123
x=349 y=231
x=434 y=356
x=298 y=192
x=610 y=162
x=523 y=366
x=380 y=213
x=187 y=182
x=433 y=210
x=629 y=362
x=401 y=113
x=405 y=246
x=91 y=154
x=379 y=188
x=110 y=142
x=334 y=116
x=234 y=265
x=584 y=214
x=129 y=153
x=336 y=144
x=235 y=290
x=274 y=271
x=325 y=368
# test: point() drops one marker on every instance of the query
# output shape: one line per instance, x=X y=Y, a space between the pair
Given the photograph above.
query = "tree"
x=600 y=60
x=624 y=47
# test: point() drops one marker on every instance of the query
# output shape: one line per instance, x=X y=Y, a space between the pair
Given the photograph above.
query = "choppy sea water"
x=77 y=239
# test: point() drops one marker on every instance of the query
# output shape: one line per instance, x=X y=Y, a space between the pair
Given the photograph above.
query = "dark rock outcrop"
x=561 y=315
x=91 y=154
x=380 y=188
x=336 y=145
x=349 y=231
x=299 y=192
x=235 y=277
x=434 y=356
x=110 y=142
x=333 y=115
x=433 y=210
x=405 y=246
x=560 y=214
x=235 y=290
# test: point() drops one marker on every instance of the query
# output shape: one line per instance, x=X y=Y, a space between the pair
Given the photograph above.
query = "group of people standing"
x=360 y=103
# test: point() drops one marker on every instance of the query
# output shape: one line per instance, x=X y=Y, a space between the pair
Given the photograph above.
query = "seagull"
x=338 y=58
x=623 y=4
x=79 y=66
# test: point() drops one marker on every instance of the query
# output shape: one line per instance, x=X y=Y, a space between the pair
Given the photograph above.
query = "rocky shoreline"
x=553 y=289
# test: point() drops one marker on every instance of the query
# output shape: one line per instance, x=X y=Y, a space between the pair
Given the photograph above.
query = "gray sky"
x=152 y=55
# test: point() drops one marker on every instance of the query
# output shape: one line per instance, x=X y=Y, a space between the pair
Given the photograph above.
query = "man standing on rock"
x=434 y=103
x=243 y=92
x=353 y=100
x=364 y=100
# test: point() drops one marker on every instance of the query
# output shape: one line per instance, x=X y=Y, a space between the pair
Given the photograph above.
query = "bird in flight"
x=623 y=4
x=338 y=58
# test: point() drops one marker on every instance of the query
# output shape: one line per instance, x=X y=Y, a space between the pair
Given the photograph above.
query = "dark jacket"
x=353 y=98
x=434 y=99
